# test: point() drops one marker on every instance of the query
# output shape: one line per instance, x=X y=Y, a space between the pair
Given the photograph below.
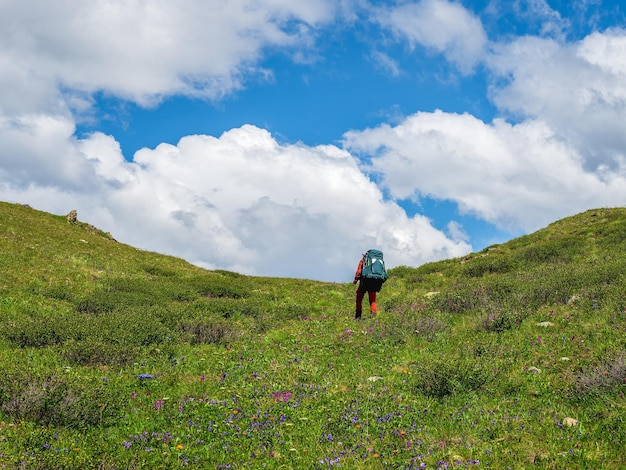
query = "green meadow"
x=117 y=358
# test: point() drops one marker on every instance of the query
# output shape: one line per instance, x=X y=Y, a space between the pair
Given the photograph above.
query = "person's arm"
x=357 y=275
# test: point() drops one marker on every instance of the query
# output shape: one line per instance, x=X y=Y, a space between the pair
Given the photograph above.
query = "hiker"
x=370 y=274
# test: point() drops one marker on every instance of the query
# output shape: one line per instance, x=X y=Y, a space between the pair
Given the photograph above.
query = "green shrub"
x=402 y=304
x=132 y=327
x=488 y=264
x=92 y=352
x=402 y=326
x=498 y=320
x=160 y=271
x=604 y=377
x=34 y=332
x=218 y=285
x=228 y=307
x=291 y=311
x=58 y=291
x=209 y=332
x=442 y=377
x=411 y=276
x=54 y=400
x=97 y=303
x=560 y=250
x=463 y=298
x=550 y=285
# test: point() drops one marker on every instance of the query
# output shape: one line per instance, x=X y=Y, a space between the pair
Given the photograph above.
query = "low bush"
x=463 y=298
x=54 y=400
x=488 y=264
x=498 y=320
x=441 y=377
x=34 y=332
x=92 y=352
x=226 y=308
x=208 y=332
x=604 y=377
x=402 y=304
x=218 y=285
x=403 y=326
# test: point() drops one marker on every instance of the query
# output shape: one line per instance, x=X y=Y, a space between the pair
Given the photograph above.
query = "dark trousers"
x=359 y=301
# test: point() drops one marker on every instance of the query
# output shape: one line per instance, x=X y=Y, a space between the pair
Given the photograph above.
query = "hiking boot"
x=357 y=314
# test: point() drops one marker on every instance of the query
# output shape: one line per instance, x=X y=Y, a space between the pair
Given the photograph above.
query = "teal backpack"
x=374 y=266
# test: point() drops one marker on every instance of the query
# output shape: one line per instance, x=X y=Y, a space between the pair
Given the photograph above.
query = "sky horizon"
x=285 y=138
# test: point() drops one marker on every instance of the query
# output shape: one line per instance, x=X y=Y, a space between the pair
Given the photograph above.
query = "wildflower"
x=145 y=376
x=158 y=404
x=127 y=445
x=282 y=396
x=179 y=447
x=202 y=378
x=375 y=456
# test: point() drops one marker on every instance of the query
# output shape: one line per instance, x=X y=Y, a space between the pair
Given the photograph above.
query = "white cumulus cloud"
x=244 y=202
x=578 y=89
x=144 y=50
x=439 y=25
x=521 y=176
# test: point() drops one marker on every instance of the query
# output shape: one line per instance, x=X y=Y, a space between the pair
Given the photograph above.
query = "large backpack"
x=374 y=266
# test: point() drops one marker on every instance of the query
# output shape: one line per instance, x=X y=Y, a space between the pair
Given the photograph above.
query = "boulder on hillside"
x=72 y=217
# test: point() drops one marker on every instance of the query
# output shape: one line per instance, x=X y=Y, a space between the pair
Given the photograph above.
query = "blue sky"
x=259 y=135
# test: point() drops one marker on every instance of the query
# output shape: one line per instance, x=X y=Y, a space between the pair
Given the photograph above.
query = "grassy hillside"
x=117 y=358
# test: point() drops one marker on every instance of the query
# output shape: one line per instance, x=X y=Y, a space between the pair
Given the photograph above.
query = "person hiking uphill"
x=370 y=274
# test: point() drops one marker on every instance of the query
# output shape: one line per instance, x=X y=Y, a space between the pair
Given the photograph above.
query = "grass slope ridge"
x=113 y=357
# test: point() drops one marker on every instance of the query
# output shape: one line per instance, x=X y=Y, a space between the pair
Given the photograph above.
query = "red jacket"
x=357 y=275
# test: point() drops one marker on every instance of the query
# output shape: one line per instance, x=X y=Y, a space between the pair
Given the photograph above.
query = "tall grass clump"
x=606 y=376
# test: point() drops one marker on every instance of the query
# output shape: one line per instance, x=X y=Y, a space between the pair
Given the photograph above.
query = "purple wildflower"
x=282 y=396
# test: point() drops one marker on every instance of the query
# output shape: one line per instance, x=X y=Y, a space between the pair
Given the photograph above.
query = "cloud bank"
x=247 y=202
